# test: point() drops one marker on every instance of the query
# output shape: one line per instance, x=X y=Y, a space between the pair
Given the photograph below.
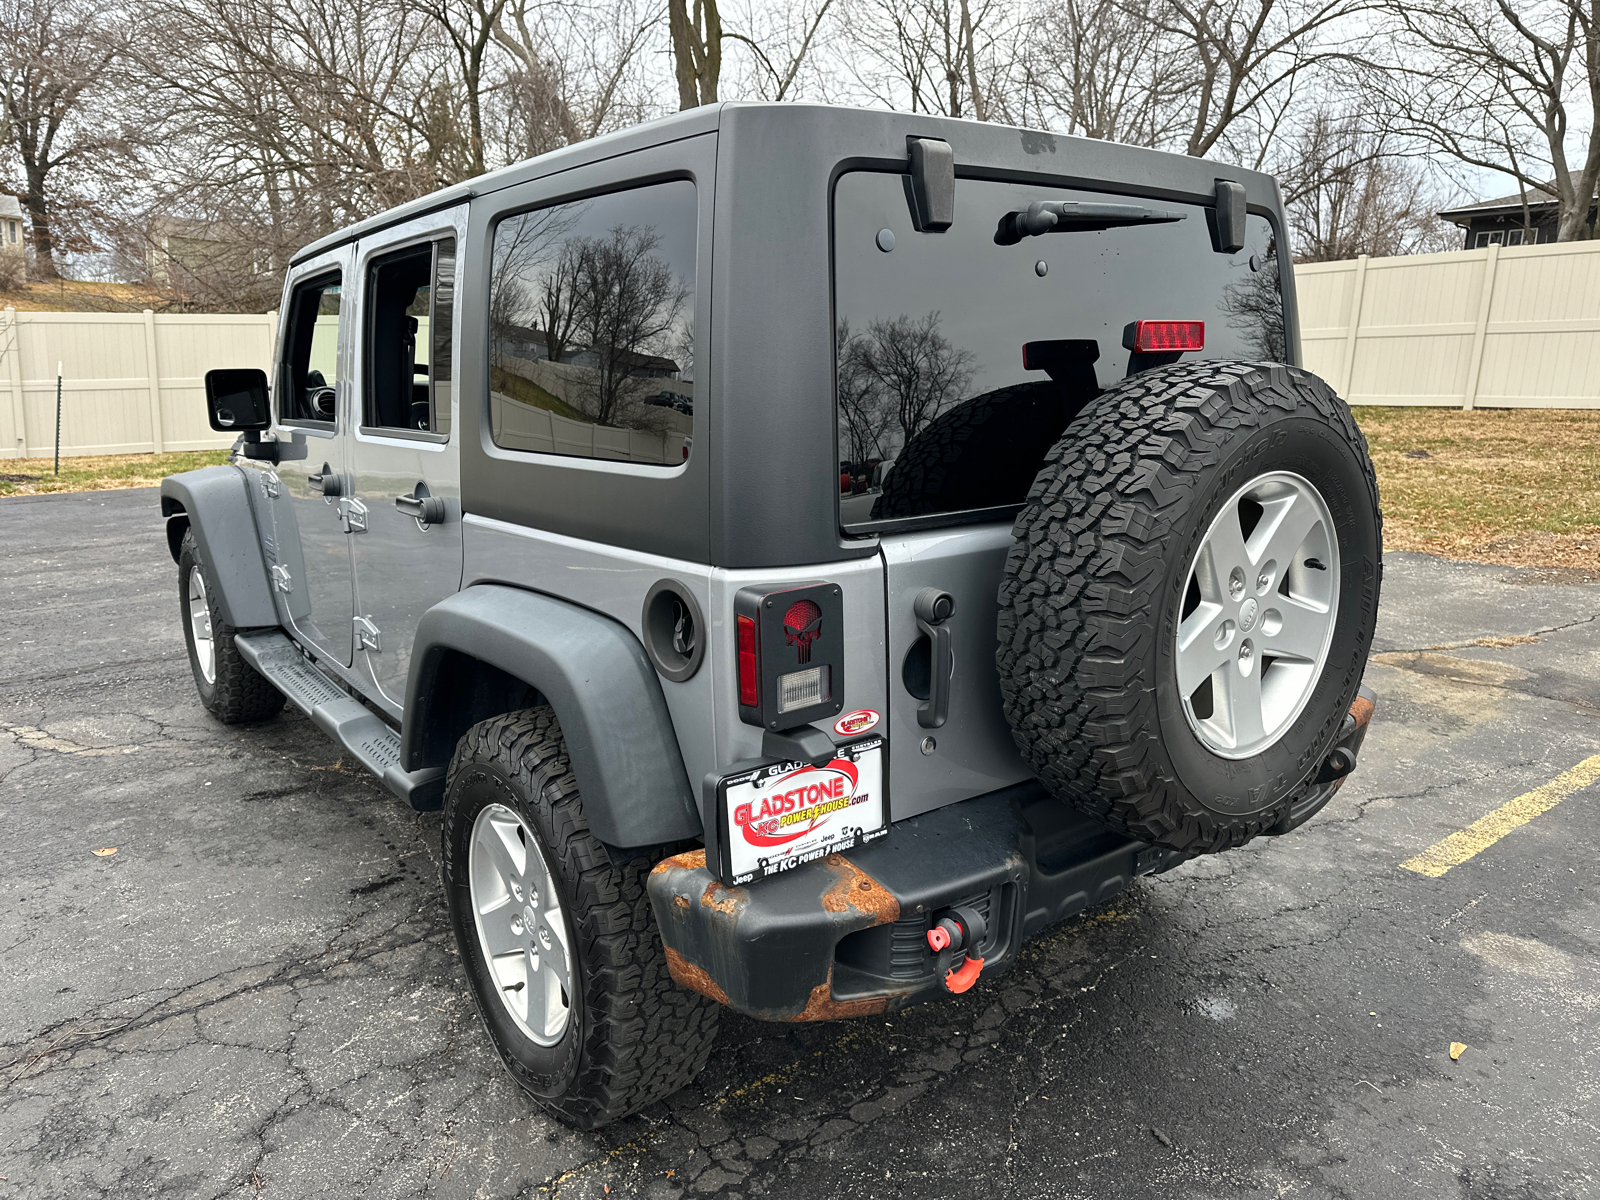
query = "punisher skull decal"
x=801 y=625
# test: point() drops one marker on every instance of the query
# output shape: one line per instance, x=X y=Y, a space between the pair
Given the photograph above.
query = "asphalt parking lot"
x=257 y=993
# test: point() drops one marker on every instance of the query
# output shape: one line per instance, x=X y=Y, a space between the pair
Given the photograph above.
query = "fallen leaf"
x=1160 y=1137
x=106 y=853
x=1457 y=1049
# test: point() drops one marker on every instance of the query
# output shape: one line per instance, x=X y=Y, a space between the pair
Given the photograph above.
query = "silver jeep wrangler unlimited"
x=804 y=551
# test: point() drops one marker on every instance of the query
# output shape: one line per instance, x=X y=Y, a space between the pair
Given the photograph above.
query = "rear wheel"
x=231 y=689
x=557 y=938
x=1190 y=598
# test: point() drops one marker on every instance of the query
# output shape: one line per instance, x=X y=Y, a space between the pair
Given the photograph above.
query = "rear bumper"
x=846 y=936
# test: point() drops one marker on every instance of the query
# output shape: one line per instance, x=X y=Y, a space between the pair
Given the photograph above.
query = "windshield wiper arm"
x=1072 y=216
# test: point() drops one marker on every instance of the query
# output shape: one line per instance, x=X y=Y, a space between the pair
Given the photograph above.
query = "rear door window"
x=939 y=416
x=591 y=327
x=410 y=302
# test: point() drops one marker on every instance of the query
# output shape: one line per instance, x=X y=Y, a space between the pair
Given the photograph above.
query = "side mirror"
x=236 y=399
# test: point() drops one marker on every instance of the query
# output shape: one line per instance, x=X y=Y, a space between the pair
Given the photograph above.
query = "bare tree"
x=696 y=50
x=1245 y=56
x=781 y=42
x=1508 y=87
x=941 y=56
x=1348 y=192
x=1103 y=69
x=470 y=27
x=54 y=54
x=574 y=71
x=281 y=120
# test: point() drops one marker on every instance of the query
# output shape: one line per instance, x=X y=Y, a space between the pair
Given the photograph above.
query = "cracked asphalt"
x=257 y=994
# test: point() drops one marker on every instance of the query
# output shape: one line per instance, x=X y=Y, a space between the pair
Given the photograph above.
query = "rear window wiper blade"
x=1072 y=216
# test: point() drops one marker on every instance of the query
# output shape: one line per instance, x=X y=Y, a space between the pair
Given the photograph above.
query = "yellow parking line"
x=1487 y=830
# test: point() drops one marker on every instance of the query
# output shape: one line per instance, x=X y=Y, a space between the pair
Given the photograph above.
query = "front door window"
x=311 y=359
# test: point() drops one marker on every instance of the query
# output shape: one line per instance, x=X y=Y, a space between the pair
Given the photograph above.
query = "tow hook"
x=953 y=932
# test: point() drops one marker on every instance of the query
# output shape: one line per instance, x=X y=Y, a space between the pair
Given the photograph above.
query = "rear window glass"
x=591 y=327
x=938 y=415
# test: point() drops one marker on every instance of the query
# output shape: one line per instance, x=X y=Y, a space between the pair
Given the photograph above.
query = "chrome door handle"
x=933 y=608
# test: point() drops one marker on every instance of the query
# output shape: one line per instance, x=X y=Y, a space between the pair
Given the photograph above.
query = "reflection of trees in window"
x=897 y=375
x=1256 y=305
x=609 y=306
x=864 y=411
x=628 y=302
x=521 y=243
x=558 y=297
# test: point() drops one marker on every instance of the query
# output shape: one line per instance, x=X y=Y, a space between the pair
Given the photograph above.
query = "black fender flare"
x=214 y=502
x=593 y=671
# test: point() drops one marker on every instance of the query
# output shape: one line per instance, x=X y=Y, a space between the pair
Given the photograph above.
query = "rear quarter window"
x=938 y=416
x=591 y=327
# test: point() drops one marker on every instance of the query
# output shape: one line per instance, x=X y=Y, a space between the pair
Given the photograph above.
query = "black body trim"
x=214 y=502
x=590 y=669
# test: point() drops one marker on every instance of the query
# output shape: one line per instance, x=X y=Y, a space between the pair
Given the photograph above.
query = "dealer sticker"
x=780 y=815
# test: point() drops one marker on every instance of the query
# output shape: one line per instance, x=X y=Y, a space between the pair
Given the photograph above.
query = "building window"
x=1492 y=238
x=1514 y=237
x=13 y=225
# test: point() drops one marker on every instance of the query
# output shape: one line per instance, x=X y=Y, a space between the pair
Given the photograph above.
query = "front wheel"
x=558 y=940
x=1190 y=598
x=231 y=689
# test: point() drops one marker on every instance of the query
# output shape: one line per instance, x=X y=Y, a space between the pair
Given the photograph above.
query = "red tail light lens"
x=749 y=670
x=1155 y=337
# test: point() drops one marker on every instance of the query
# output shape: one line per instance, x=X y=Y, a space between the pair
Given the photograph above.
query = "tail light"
x=791 y=654
x=1160 y=337
x=749 y=664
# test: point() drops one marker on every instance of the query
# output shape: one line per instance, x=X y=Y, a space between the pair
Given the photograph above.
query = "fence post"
x=1356 y=290
x=154 y=368
x=1479 y=334
x=12 y=350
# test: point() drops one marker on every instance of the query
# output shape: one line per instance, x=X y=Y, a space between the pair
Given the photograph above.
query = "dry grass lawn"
x=71 y=295
x=1520 y=487
x=1517 y=487
x=94 y=473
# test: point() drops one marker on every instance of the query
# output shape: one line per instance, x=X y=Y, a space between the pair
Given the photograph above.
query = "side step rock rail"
x=373 y=742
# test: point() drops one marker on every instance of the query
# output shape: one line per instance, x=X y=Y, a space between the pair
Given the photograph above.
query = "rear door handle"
x=430 y=510
x=933 y=608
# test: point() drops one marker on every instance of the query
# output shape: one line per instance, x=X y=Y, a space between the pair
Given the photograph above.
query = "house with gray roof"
x=1512 y=220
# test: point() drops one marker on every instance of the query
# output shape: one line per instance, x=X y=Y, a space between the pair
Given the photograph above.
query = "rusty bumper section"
x=847 y=936
x=1336 y=768
x=831 y=899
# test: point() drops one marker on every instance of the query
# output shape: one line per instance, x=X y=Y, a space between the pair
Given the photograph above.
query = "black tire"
x=1095 y=581
x=633 y=1036
x=980 y=454
x=237 y=693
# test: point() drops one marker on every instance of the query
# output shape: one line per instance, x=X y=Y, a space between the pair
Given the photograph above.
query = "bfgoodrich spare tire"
x=1189 y=600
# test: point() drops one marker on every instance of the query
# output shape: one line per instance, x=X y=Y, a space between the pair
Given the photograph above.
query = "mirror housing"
x=236 y=399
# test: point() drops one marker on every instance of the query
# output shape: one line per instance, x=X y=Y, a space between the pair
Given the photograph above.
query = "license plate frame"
x=756 y=841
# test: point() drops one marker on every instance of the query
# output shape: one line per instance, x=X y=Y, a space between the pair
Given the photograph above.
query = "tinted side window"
x=410 y=301
x=591 y=327
x=938 y=412
x=311 y=352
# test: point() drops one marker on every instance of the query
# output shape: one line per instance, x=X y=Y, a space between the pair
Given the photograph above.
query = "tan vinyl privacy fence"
x=132 y=382
x=1501 y=327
